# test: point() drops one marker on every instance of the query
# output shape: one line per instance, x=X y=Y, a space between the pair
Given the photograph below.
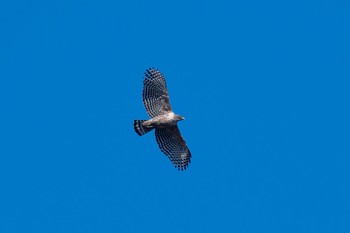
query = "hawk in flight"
x=156 y=100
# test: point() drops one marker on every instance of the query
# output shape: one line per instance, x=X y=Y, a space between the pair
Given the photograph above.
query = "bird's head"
x=179 y=118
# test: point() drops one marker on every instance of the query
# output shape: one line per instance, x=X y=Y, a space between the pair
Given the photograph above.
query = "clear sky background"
x=264 y=87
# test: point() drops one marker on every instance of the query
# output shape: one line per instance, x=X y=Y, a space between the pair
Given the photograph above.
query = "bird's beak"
x=182 y=118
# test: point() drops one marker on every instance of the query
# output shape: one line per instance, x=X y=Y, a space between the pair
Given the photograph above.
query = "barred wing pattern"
x=155 y=94
x=174 y=146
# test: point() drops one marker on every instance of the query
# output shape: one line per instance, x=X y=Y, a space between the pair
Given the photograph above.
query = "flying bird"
x=156 y=101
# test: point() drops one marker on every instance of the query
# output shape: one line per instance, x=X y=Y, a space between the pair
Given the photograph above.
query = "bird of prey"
x=156 y=101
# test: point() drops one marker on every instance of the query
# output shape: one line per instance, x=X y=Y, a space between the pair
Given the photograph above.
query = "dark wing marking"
x=174 y=146
x=155 y=94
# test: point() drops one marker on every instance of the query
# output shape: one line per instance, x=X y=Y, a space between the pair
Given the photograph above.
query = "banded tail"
x=139 y=128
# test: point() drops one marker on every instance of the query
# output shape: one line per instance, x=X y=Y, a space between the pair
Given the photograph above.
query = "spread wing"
x=174 y=146
x=155 y=94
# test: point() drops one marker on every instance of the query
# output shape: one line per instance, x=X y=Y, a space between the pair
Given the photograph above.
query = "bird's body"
x=163 y=120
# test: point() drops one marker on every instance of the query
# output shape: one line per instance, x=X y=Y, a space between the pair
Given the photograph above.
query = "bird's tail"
x=139 y=128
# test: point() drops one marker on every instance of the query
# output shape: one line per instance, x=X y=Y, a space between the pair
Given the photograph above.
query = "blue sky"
x=263 y=85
